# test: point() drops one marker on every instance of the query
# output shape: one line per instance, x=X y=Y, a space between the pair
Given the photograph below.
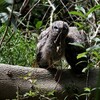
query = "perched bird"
x=59 y=40
x=51 y=42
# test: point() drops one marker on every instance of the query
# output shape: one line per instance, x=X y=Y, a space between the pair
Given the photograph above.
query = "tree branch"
x=23 y=79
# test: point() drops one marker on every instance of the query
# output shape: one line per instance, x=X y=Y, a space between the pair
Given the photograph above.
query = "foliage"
x=20 y=26
x=91 y=25
x=36 y=93
x=19 y=50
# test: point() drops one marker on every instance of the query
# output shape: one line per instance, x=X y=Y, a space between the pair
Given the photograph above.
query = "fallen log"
x=18 y=80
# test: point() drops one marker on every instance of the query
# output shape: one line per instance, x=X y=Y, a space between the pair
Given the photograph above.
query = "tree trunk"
x=20 y=80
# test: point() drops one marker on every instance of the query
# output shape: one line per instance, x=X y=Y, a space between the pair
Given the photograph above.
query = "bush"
x=19 y=50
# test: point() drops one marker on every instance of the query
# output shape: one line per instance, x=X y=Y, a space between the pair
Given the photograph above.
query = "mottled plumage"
x=50 y=46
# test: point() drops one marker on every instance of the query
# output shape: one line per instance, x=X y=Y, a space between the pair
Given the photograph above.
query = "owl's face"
x=60 y=27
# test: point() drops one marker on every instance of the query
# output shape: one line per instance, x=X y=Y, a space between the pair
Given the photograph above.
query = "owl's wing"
x=72 y=51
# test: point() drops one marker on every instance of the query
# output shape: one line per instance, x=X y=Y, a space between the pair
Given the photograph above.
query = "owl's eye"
x=55 y=27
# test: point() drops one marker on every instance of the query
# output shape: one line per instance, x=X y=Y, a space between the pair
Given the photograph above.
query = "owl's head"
x=60 y=27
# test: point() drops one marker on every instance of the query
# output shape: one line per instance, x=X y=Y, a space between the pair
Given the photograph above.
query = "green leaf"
x=85 y=69
x=80 y=8
x=38 y=24
x=3 y=17
x=93 y=9
x=77 y=44
x=82 y=55
x=96 y=39
x=87 y=89
x=95 y=47
x=10 y=1
x=78 y=13
x=30 y=93
x=51 y=93
x=80 y=25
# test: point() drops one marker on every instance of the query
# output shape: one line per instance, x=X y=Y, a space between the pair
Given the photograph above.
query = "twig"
x=46 y=98
x=29 y=11
x=77 y=1
x=9 y=21
x=28 y=21
x=98 y=64
x=25 y=3
x=45 y=13
x=10 y=37
x=96 y=2
x=96 y=32
x=52 y=12
x=66 y=9
x=92 y=4
x=87 y=81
